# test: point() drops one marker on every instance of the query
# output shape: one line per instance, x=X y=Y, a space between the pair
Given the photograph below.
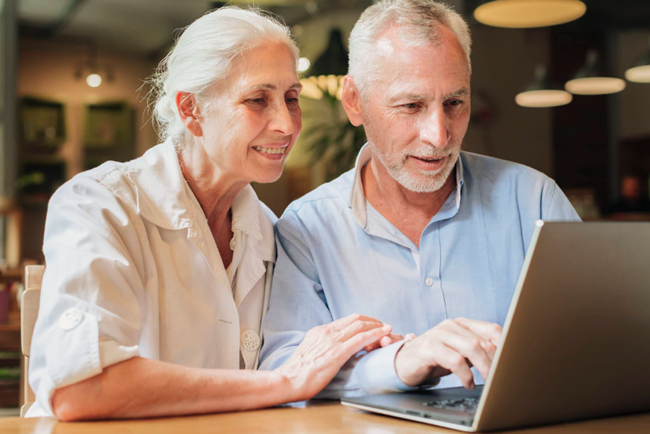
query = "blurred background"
x=72 y=95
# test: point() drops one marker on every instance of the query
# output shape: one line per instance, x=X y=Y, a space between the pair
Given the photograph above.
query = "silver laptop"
x=575 y=344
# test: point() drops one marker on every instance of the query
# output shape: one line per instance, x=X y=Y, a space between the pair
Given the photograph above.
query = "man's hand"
x=453 y=346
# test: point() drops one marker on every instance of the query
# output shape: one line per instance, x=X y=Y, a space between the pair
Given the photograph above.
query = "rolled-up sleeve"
x=90 y=314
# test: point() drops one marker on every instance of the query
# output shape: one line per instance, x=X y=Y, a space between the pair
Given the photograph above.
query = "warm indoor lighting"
x=543 y=98
x=595 y=85
x=303 y=64
x=589 y=80
x=640 y=72
x=540 y=92
x=529 y=13
x=316 y=87
x=94 y=80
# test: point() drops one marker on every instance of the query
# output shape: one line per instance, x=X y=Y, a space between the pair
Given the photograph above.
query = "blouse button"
x=70 y=319
x=250 y=340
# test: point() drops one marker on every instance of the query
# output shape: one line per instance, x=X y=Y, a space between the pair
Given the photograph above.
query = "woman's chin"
x=268 y=176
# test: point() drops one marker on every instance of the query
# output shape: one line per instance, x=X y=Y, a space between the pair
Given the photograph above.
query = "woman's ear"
x=188 y=110
x=351 y=100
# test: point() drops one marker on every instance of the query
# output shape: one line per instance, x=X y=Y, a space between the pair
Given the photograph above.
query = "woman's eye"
x=257 y=100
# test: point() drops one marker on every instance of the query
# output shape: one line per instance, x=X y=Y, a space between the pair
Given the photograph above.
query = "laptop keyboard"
x=468 y=405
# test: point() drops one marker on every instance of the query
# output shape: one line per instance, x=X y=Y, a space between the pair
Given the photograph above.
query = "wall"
x=47 y=70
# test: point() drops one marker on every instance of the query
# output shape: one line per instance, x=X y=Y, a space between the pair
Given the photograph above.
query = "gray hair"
x=417 y=19
x=203 y=55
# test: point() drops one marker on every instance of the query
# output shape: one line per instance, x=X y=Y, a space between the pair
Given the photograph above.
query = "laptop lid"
x=576 y=343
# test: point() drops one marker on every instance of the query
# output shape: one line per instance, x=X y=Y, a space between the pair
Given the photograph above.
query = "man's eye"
x=291 y=101
x=455 y=102
x=412 y=105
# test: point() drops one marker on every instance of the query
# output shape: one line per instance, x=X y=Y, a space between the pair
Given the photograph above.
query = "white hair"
x=418 y=21
x=203 y=55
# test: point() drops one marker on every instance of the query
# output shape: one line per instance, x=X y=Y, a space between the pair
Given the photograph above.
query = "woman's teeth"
x=270 y=150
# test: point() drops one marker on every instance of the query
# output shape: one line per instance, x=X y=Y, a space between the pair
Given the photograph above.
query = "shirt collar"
x=164 y=198
x=358 y=197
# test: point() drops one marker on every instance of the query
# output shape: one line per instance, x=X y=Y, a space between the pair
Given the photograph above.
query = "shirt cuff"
x=376 y=371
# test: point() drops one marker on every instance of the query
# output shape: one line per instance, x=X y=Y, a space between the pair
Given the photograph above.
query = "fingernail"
x=387 y=327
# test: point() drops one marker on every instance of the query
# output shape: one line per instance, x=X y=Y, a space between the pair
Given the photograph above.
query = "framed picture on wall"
x=42 y=122
x=108 y=132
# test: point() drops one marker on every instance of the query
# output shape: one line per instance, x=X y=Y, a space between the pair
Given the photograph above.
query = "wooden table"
x=326 y=418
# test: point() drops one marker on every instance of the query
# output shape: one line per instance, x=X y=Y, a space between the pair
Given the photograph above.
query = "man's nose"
x=282 y=121
x=435 y=129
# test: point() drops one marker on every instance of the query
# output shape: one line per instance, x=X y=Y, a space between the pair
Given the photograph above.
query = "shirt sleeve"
x=92 y=293
x=556 y=206
x=298 y=303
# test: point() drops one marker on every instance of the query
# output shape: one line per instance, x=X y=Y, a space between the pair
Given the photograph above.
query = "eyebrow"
x=269 y=86
x=414 y=96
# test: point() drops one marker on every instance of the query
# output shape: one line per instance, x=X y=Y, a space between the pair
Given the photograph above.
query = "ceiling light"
x=303 y=64
x=94 y=80
x=541 y=93
x=640 y=72
x=529 y=13
x=590 y=81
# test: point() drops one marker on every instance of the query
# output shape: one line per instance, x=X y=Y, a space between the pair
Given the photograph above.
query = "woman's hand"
x=325 y=350
x=388 y=340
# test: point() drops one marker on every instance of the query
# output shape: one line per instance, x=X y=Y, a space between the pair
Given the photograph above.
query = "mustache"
x=428 y=153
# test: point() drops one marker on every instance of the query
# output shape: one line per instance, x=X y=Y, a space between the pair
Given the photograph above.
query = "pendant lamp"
x=589 y=80
x=541 y=93
x=640 y=72
x=521 y=14
x=327 y=72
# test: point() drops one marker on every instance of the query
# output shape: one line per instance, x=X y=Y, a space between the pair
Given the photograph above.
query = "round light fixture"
x=638 y=74
x=540 y=92
x=94 y=80
x=529 y=13
x=595 y=85
x=591 y=80
x=543 y=98
x=303 y=64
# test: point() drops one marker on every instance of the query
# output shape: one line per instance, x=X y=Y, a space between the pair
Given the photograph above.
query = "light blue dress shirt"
x=337 y=256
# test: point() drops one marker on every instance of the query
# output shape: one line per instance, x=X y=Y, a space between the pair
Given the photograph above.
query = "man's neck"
x=408 y=211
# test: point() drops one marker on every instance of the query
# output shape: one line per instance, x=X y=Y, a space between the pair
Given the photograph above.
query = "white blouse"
x=133 y=270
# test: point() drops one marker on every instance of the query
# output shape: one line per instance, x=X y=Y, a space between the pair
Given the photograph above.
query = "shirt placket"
x=433 y=296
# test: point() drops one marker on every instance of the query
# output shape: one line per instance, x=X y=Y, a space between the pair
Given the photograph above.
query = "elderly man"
x=419 y=234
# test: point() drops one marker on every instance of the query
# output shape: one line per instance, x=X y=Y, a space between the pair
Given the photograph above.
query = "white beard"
x=424 y=181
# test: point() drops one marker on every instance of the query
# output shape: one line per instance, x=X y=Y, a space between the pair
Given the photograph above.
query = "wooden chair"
x=28 y=314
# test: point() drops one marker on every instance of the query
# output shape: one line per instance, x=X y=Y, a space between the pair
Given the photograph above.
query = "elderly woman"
x=158 y=269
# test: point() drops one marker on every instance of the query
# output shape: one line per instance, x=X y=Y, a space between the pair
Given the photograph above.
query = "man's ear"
x=188 y=110
x=351 y=100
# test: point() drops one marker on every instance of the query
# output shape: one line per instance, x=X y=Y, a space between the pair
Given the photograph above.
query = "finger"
x=356 y=328
x=453 y=361
x=344 y=322
x=360 y=340
x=409 y=337
x=471 y=348
x=384 y=342
x=486 y=330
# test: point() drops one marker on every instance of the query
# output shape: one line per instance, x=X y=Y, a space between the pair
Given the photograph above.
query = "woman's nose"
x=282 y=121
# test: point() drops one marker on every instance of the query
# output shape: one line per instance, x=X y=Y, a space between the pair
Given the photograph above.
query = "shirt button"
x=250 y=340
x=429 y=281
x=70 y=319
x=232 y=244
